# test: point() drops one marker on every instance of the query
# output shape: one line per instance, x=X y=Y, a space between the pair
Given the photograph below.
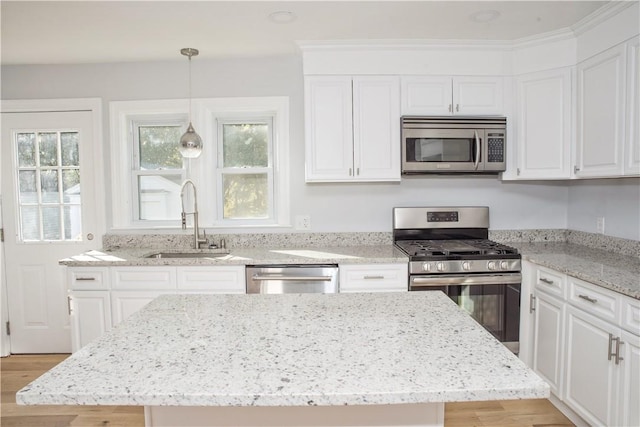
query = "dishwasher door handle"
x=293 y=278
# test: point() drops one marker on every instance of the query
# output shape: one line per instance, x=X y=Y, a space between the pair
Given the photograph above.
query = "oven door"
x=442 y=150
x=493 y=300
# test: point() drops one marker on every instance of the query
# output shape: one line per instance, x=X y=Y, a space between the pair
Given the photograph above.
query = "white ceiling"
x=55 y=32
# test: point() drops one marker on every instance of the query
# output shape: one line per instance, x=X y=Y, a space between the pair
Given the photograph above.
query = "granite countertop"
x=365 y=254
x=290 y=350
x=607 y=269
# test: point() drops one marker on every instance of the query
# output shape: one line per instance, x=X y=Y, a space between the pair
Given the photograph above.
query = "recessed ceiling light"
x=282 y=17
x=484 y=16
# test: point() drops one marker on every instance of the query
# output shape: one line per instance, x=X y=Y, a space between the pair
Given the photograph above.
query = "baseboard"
x=568 y=412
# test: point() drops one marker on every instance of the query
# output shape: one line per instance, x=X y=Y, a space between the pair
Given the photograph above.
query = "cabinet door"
x=212 y=280
x=90 y=316
x=125 y=303
x=548 y=340
x=629 y=391
x=477 y=96
x=374 y=278
x=328 y=128
x=544 y=125
x=591 y=377
x=423 y=95
x=632 y=152
x=376 y=128
x=601 y=106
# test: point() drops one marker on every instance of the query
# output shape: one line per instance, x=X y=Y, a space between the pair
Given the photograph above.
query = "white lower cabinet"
x=90 y=316
x=374 y=278
x=549 y=340
x=591 y=376
x=102 y=297
x=586 y=345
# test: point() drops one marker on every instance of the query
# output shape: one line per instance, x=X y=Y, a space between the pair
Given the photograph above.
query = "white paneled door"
x=49 y=211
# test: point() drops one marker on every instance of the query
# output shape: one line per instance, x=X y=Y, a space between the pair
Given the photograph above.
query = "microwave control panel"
x=495 y=147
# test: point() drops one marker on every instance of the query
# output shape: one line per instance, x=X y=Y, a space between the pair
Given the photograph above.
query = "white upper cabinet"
x=352 y=128
x=543 y=136
x=632 y=157
x=601 y=109
x=443 y=96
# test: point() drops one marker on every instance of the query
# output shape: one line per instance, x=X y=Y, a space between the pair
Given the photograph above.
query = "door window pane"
x=26 y=149
x=70 y=154
x=48 y=149
x=30 y=223
x=51 y=223
x=159 y=147
x=49 y=186
x=44 y=214
x=245 y=196
x=245 y=145
x=27 y=186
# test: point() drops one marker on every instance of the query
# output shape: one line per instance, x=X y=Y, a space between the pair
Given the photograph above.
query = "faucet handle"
x=184 y=220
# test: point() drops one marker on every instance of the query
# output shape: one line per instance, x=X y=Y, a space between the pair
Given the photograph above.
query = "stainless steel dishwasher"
x=292 y=279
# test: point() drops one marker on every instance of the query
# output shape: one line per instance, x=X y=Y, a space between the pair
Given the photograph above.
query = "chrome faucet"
x=197 y=240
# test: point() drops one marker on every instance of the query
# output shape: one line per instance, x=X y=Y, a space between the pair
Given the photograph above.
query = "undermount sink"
x=187 y=255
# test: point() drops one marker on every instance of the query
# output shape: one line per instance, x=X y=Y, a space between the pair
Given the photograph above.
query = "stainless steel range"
x=449 y=250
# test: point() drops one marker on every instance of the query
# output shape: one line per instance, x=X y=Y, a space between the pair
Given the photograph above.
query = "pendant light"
x=190 y=142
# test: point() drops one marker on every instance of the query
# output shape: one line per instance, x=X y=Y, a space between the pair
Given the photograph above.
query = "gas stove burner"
x=454 y=248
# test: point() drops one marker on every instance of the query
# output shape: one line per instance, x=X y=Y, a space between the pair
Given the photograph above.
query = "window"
x=245 y=170
x=158 y=169
x=241 y=176
x=49 y=185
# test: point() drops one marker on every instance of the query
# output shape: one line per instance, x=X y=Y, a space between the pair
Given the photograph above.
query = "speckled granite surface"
x=377 y=254
x=610 y=270
x=290 y=350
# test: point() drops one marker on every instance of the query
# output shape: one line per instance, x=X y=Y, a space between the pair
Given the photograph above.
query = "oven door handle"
x=506 y=279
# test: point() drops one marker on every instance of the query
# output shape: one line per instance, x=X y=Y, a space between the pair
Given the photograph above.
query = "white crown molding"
x=399 y=44
x=544 y=38
x=601 y=15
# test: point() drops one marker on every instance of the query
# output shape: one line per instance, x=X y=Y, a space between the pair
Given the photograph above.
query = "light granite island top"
x=387 y=355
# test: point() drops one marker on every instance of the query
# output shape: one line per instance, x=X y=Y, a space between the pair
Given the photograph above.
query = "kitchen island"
x=297 y=359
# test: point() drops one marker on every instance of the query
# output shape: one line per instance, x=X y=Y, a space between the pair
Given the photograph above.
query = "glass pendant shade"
x=190 y=143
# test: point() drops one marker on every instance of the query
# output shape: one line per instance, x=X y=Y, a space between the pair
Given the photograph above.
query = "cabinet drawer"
x=630 y=315
x=594 y=300
x=144 y=278
x=223 y=280
x=551 y=282
x=88 y=278
x=374 y=278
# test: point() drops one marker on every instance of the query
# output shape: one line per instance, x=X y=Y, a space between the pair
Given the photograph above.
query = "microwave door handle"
x=477 y=144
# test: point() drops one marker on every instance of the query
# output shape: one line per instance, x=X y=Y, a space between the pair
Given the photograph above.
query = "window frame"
x=202 y=170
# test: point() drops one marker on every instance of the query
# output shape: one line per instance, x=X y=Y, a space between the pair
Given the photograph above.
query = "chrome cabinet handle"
x=349 y=171
x=69 y=304
x=576 y=169
x=610 y=354
x=451 y=108
x=85 y=279
x=532 y=302
x=619 y=342
x=457 y=107
x=374 y=277
x=588 y=298
x=547 y=281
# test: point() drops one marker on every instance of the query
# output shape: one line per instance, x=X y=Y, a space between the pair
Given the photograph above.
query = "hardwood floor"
x=18 y=370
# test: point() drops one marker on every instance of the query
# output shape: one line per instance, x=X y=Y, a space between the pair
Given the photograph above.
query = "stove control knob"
x=440 y=266
x=504 y=265
x=426 y=266
x=466 y=265
x=491 y=265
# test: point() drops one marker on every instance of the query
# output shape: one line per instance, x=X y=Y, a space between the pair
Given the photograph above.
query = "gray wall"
x=333 y=207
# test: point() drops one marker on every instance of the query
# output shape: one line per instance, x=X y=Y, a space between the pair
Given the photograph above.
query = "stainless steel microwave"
x=453 y=144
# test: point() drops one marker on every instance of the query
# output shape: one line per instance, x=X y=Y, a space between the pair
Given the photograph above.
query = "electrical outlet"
x=303 y=222
x=600 y=224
